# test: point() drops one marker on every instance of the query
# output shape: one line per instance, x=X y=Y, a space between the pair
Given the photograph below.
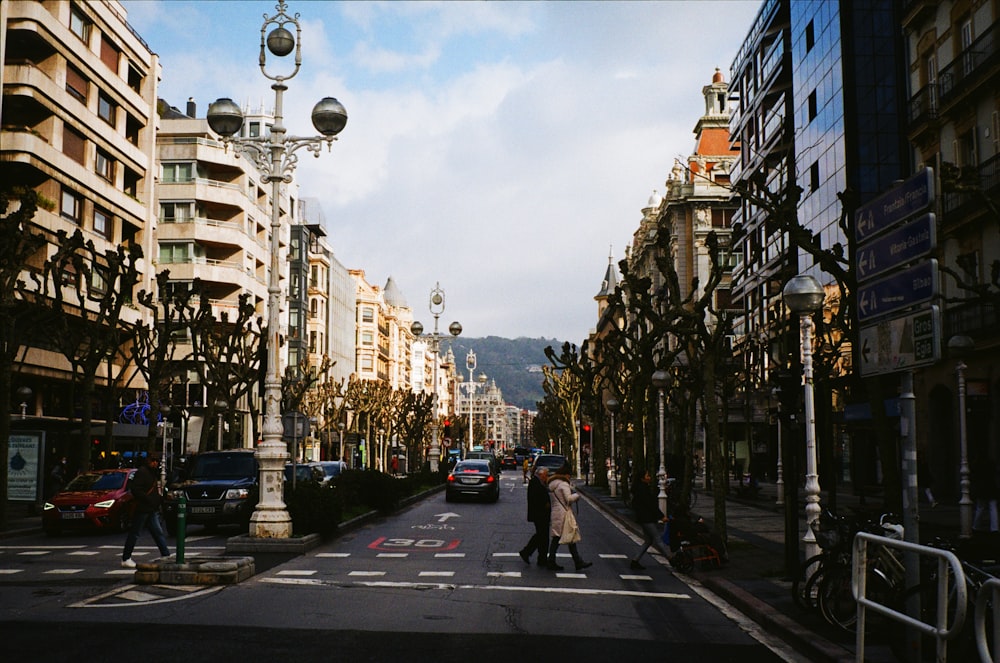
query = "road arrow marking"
x=443 y=517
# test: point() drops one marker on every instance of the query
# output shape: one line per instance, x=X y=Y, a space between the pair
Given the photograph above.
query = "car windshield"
x=98 y=481
x=473 y=466
x=223 y=466
x=332 y=469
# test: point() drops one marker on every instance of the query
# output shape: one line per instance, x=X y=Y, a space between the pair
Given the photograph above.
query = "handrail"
x=947 y=561
x=988 y=591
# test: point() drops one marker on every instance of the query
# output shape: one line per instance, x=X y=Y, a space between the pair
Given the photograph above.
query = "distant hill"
x=515 y=364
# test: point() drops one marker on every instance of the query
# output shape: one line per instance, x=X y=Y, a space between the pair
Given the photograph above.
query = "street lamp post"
x=959 y=347
x=779 y=483
x=803 y=296
x=660 y=380
x=220 y=407
x=340 y=438
x=437 y=308
x=164 y=413
x=470 y=363
x=276 y=158
x=24 y=393
x=612 y=406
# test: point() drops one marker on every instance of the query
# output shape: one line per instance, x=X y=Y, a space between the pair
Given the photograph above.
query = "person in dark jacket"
x=539 y=510
x=648 y=515
x=145 y=489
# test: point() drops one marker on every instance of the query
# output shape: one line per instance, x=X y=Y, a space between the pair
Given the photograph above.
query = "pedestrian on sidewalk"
x=562 y=497
x=539 y=513
x=145 y=489
x=649 y=516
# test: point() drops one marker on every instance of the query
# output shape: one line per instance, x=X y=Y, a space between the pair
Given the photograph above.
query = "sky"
x=503 y=150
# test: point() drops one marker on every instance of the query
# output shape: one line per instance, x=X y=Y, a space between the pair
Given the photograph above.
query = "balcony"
x=923 y=109
x=972 y=67
x=958 y=205
x=978 y=320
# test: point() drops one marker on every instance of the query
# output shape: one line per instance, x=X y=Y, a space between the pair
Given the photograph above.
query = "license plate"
x=470 y=480
x=73 y=515
x=203 y=509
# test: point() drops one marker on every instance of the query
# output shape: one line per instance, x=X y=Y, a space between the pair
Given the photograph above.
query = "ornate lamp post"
x=340 y=438
x=470 y=363
x=436 y=308
x=780 y=482
x=660 y=380
x=612 y=406
x=803 y=296
x=164 y=413
x=275 y=156
x=960 y=347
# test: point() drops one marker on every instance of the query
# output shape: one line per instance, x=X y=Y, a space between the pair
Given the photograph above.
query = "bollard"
x=181 y=526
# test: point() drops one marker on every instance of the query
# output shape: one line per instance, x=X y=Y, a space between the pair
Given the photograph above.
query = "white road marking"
x=120 y=572
x=613 y=556
x=10 y=572
x=571 y=575
x=393 y=555
x=85 y=552
x=504 y=574
x=505 y=554
x=316 y=582
x=92 y=602
x=333 y=555
x=35 y=552
x=630 y=577
x=304 y=572
x=436 y=574
x=449 y=554
x=64 y=572
x=366 y=573
x=46 y=547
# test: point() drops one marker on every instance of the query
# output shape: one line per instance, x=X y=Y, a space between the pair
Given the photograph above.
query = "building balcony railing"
x=970 y=67
x=974 y=319
x=924 y=106
x=988 y=178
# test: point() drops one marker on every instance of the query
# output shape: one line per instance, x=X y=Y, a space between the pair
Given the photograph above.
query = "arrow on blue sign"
x=901 y=290
x=898 y=247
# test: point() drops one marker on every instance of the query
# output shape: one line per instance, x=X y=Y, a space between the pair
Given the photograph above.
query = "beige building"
x=78 y=125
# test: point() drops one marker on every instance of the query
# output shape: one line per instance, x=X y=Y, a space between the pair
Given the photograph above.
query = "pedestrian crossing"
x=53 y=562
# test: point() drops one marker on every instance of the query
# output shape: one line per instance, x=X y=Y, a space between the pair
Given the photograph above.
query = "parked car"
x=550 y=461
x=331 y=470
x=304 y=472
x=488 y=456
x=221 y=489
x=472 y=478
x=99 y=500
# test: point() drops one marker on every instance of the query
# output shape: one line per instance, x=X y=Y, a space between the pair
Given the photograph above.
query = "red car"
x=98 y=499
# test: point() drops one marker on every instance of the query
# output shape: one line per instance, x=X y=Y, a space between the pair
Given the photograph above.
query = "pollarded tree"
x=19 y=243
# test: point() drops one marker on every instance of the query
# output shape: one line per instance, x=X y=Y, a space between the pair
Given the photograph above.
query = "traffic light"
x=447 y=428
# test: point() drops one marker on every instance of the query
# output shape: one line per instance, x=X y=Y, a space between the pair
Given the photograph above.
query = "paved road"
x=436 y=582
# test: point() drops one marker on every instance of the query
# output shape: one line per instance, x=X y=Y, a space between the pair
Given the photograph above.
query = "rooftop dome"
x=393 y=295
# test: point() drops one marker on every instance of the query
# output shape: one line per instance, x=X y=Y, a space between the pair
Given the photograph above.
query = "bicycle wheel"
x=837 y=603
x=804 y=589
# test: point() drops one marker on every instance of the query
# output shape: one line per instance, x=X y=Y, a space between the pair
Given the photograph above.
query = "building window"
x=175 y=252
x=366 y=364
x=810 y=36
x=367 y=338
x=814 y=176
x=74 y=145
x=106 y=108
x=109 y=54
x=367 y=314
x=312 y=342
x=254 y=129
x=135 y=77
x=103 y=223
x=176 y=212
x=176 y=172
x=812 y=105
x=76 y=84
x=79 y=24
x=97 y=285
x=71 y=206
x=105 y=166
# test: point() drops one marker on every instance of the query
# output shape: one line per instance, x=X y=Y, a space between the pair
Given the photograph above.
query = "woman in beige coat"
x=562 y=497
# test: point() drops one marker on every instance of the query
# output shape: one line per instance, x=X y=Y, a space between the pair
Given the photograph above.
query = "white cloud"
x=499 y=148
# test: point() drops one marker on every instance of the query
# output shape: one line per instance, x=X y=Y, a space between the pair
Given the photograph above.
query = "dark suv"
x=221 y=489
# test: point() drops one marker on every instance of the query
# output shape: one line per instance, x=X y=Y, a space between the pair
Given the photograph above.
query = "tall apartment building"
x=215 y=225
x=78 y=125
x=954 y=126
x=384 y=338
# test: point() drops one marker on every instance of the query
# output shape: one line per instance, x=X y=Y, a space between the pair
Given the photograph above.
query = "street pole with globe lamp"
x=220 y=406
x=803 y=296
x=24 y=393
x=340 y=438
x=470 y=363
x=437 y=308
x=275 y=156
x=612 y=406
x=960 y=347
x=779 y=484
x=660 y=380
x=164 y=413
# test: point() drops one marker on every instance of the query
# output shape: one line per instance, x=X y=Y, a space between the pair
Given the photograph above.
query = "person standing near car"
x=539 y=512
x=562 y=497
x=145 y=489
x=648 y=515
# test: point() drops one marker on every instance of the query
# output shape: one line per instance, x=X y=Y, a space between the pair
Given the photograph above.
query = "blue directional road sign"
x=896 y=248
x=911 y=197
x=900 y=290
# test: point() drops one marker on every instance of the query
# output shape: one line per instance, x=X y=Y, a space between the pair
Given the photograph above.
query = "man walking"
x=539 y=510
x=647 y=514
x=145 y=489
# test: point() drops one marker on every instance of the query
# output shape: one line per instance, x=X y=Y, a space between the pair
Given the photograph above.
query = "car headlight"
x=106 y=504
x=48 y=506
x=173 y=494
x=237 y=493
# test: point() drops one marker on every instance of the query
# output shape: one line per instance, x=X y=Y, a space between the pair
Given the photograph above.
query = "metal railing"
x=949 y=566
x=987 y=600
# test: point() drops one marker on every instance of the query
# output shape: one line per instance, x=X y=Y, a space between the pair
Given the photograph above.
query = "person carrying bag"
x=564 y=528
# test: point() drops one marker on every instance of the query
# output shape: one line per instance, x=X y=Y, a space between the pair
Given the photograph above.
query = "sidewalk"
x=754 y=579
